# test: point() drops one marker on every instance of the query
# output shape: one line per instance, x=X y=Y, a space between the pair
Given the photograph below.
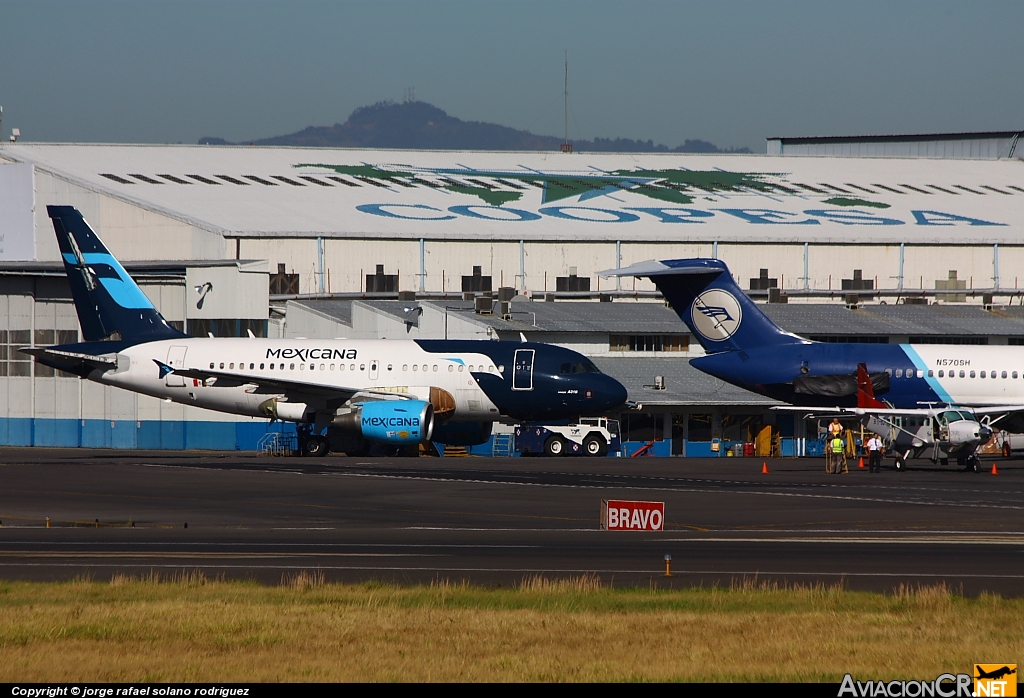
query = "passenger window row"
x=919 y=373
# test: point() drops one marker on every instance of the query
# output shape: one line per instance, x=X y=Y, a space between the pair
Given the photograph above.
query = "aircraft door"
x=374 y=369
x=522 y=371
x=175 y=359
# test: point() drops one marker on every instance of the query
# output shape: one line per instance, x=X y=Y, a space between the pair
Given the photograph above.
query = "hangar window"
x=260 y=180
x=144 y=178
x=857 y=186
x=912 y=188
x=342 y=181
x=204 y=180
x=292 y=182
x=232 y=180
x=882 y=186
x=119 y=180
x=649 y=342
x=648 y=427
x=314 y=180
x=172 y=178
x=960 y=186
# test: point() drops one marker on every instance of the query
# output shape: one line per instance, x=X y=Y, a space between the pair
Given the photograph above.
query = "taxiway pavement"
x=496 y=521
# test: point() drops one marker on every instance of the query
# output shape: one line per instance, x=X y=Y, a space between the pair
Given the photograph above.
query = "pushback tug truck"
x=590 y=436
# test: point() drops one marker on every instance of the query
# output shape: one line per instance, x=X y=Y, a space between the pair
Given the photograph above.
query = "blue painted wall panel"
x=210 y=435
x=63 y=433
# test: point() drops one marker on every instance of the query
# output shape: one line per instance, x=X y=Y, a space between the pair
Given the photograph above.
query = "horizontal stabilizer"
x=72 y=361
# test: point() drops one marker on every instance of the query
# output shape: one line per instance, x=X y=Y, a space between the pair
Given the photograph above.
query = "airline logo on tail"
x=716 y=315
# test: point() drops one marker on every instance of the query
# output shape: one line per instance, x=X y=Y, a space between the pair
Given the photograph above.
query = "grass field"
x=194 y=629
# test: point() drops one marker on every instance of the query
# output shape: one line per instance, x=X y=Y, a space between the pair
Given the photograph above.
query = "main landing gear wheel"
x=1006 y=450
x=595 y=445
x=972 y=463
x=555 y=446
x=315 y=447
x=900 y=463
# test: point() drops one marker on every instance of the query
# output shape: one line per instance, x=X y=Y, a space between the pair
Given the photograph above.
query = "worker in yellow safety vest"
x=837 y=455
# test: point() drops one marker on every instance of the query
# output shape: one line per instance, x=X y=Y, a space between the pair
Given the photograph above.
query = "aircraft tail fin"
x=705 y=297
x=865 y=389
x=110 y=304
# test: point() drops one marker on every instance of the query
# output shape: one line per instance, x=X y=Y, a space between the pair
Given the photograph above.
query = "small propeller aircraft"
x=936 y=432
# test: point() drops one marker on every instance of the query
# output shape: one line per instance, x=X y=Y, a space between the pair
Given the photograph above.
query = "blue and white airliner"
x=745 y=348
x=400 y=393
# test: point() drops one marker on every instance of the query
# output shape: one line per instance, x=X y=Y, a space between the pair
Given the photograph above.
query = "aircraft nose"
x=615 y=392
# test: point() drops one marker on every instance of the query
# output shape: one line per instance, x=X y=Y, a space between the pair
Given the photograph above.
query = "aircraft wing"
x=1006 y=417
x=277 y=384
x=864 y=411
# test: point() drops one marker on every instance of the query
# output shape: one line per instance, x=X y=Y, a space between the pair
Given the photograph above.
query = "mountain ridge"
x=415 y=125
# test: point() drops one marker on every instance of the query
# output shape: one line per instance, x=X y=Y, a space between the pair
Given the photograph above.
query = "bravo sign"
x=621 y=515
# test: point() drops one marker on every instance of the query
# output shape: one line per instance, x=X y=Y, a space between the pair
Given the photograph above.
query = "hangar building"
x=235 y=239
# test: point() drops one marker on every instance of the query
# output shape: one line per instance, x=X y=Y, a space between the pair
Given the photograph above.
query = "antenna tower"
x=566 y=146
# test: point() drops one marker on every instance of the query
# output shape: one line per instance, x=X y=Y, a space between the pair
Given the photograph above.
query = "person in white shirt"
x=875 y=449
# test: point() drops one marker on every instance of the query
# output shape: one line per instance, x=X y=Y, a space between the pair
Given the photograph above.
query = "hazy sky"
x=728 y=72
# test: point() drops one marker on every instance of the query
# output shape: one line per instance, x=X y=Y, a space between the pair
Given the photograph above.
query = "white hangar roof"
x=243 y=191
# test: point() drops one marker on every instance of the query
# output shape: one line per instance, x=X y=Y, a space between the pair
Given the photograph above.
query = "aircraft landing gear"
x=315 y=447
x=900 y=463
x=312 y=445
x=973 y=462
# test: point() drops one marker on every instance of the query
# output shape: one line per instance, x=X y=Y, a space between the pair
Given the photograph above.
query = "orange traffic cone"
x=995 y=470
x=861 y=464
x=764 y=468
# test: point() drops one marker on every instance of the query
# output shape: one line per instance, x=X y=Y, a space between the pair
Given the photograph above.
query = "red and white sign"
x=621 y=515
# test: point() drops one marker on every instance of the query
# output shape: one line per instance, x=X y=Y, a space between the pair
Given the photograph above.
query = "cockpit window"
x=566 y=368
x=951 y=416
x=585 y=367
x=968 y=416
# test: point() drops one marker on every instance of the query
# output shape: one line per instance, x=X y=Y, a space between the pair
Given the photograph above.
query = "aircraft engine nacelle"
x=462 y=433
x=965 y=432
x=391 y=421
x=285 y=411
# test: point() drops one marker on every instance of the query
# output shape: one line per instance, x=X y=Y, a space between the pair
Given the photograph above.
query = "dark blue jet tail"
x=109 y=303
x=719 y=314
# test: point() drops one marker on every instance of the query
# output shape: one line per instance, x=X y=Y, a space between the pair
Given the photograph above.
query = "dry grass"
x=187 y=627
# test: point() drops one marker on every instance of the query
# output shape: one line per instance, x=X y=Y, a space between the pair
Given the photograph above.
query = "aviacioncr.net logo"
x=716 y=314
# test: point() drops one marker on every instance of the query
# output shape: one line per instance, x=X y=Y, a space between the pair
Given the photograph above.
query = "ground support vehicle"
x=589 y=436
